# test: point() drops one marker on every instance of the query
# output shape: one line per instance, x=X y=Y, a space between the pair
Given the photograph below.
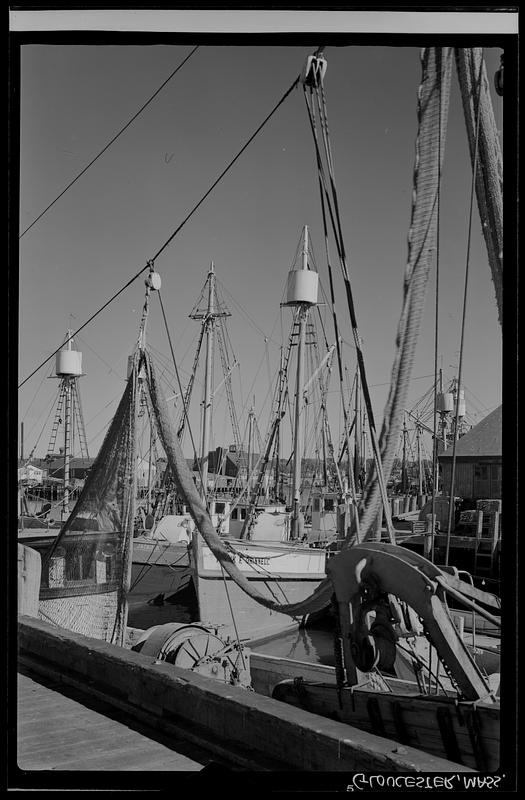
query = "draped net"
x=85 y=575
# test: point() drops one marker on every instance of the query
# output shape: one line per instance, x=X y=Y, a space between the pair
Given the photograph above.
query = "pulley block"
x=313 y=71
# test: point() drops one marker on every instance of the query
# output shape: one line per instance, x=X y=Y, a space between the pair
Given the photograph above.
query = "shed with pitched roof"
x=478 y=461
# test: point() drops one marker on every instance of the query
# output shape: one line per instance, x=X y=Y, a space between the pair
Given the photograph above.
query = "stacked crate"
x=487 y=535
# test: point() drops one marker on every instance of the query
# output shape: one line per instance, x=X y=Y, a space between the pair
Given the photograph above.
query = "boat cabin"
x=324 y=518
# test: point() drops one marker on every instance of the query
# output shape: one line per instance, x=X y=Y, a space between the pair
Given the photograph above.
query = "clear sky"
x=105 y=228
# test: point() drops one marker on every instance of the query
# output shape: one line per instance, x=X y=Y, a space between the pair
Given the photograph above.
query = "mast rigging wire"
x=464 y=312
x=185 y=408
x=436 y=330
x=175 y=232
x=133 y=118
x=338 y=235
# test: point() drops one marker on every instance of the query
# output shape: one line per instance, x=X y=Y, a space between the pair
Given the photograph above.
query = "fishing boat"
x=384 y=596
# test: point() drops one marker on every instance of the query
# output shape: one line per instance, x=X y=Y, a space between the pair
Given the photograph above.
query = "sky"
x=73 y=100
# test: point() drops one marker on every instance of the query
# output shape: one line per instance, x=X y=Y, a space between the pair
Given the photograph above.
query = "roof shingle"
x=484 y=439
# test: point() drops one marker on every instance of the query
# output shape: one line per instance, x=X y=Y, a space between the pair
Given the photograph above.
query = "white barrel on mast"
x=461 y=403
x=302 y=287
x=68 y=361
x=445 y=402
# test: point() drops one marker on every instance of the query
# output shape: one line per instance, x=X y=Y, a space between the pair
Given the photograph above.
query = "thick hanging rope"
x=436 y=349
x=489 y=173
x=433 y=100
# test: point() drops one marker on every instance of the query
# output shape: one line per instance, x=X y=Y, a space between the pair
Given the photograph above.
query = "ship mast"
x=302 y=293
x=207 y=401
x=68 y=370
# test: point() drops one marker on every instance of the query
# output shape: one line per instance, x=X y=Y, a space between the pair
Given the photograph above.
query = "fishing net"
x=85 y=574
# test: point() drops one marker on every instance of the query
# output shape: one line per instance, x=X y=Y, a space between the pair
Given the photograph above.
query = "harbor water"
x=147 y=608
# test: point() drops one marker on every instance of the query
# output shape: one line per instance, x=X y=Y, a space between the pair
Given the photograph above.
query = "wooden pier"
x=59 y=728
x=239 y=728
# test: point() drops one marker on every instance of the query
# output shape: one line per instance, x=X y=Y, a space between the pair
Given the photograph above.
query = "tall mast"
x=207 y=402
x=277 y=493
x=68 y=369
x=208 y=315
x=443 y=414
x=357 y=433
x=302 y=292
x=67 y=444
x=404 y=487
x=419 y=458
x=251 y=417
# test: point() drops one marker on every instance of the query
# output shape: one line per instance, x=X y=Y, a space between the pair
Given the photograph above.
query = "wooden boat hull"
x=157 y=552
x=464 y=733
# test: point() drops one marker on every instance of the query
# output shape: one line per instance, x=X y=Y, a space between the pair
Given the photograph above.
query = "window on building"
x=495 y=481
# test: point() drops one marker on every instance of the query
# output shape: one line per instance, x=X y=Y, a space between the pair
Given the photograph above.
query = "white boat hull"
x=284 y=573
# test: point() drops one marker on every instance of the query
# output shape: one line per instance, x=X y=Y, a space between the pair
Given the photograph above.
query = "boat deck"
x=61 y=729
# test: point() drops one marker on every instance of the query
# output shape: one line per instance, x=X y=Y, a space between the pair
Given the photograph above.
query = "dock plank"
x=58 y=732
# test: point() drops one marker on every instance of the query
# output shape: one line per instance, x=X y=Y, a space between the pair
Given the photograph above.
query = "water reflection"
x=148 y=608
x=302 y=645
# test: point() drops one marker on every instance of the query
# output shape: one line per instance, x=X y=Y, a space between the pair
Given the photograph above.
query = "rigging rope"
x=133 y=118
x=55 y=399
x=172 y=236
x=436 y=343
x=483 y=140
x=183 y=398
x=337 y=229
x=464 y=312
x=337 y=334
x=33 y=400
